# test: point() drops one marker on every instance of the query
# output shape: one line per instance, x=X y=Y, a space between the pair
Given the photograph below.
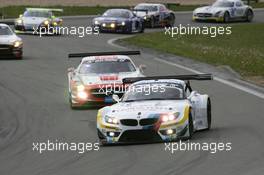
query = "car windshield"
x=43 y=14
x=223 y=4
x=117 y=13
x=4 y=30
x=106 y=67
x=147 y=7
x=153 y=92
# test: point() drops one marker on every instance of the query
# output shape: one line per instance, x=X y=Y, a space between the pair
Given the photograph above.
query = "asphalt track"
x=34 y=108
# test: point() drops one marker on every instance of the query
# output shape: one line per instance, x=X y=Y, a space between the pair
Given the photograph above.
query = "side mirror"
x=71 y=69
x=20 y=16
x=116 y=98
x=142 y=68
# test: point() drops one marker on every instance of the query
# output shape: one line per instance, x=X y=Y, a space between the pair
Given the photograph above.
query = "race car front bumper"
x=216 y=19
x=9 y=51
x=33 y=29
x=96 y=95
x=113 y=29
x=153 y=131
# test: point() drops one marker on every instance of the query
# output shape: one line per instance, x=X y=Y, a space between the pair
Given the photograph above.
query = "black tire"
x=142 y=28
x=249 y=15
x=101 y=139
x=129 y=29
x=209 y=114
x=226 y=17
x=190 y=126
x=172 y=20
x=152 y=22
x=70 y=101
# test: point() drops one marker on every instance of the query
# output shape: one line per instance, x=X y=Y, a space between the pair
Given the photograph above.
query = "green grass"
x=15 y=11
x=243 y=50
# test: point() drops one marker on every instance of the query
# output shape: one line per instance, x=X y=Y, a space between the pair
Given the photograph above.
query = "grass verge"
x=15 y=11
x=243 y=50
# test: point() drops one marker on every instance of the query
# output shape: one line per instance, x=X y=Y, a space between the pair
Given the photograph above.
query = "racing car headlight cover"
x=217 y=14
x=112 y=25
x=82 y=95
x=46 y=22
x=19 y=21
x=110 y=120
x=96 y=22
x=80 y=87
x=17 y=44
x=123 y=23
x=54 y=23
x=169 y=117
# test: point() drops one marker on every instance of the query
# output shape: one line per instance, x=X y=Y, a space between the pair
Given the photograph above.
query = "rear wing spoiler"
x=44 y=9
x=78 y=55
x=177 y=77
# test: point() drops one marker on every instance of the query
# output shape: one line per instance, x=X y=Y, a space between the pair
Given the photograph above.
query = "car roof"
x=3 y=25
x=106 y=58
x=119 y=9
x=230 y=0
x=161 y=81
x=150 y=4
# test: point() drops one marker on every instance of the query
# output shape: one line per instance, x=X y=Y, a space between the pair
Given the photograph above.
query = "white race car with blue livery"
x=224 y=11
x=154 y=109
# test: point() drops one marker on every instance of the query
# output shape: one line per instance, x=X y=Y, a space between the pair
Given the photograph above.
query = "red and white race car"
x=99 y=76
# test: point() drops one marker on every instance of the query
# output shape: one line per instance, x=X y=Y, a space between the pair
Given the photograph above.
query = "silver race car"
x=224 y=11
x=98 y=76
x=35 y=19
x=11 y=46
x=163 y=108
x=155 y=15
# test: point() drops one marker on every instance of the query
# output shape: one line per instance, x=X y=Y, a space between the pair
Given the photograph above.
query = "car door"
x=162 y=12
x=239 y=9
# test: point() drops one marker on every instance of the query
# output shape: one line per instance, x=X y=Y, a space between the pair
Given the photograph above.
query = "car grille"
x=139 y=136
x=99 y=93
x=5 y=46
x=204 y=15
x=129 y=122
x=5 y=50
x=148 y=121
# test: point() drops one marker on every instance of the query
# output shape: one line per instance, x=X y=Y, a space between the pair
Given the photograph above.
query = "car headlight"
x=145 y=17
x=217 y=14
x=80 y=87
x=111 y=120
x=17 y=44
x=96 y=22
x=46 y=22
x=169 y=117
x=123 y=23
x=82 y=95
x=112 y=25
x=19 y=21
x=55 y=23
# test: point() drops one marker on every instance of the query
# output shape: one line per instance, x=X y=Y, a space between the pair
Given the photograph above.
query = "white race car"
x=11 y=46
x=155 y=15
x=98 y=76
x=224 y=11
x=155 y=109
x=36 y=19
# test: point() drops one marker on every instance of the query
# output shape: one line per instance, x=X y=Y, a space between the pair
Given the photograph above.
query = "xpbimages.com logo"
x=147 y=89
x=79 y=31
x=212 y=31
